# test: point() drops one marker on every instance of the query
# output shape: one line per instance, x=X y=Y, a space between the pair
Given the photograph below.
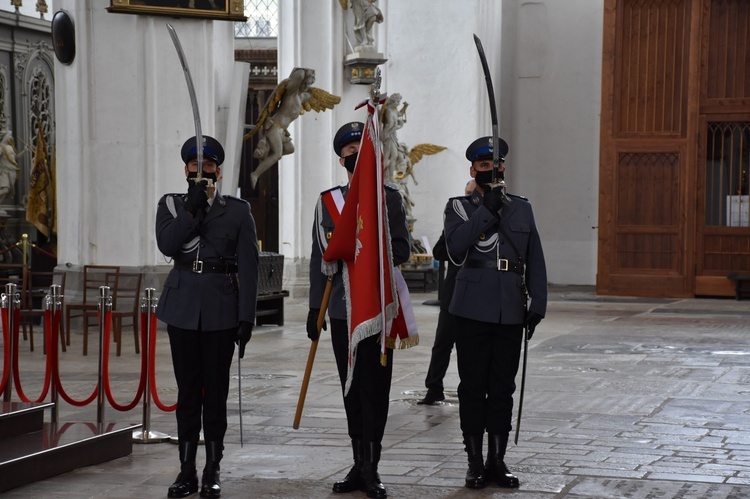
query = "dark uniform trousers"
x=445 y=334
x=202 y=360
x=445 y=337
x=488 y=357
x=366 y=404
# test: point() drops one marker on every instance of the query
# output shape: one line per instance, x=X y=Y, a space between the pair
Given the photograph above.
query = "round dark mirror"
x=63 y=37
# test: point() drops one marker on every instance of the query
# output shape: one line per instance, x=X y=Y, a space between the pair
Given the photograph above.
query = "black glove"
x=244 y=333
x=197 y=197
x=532 y=321
x=312 y=324
x=493 y=199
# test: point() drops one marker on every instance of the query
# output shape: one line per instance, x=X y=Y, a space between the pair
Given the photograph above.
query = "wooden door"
x=723 y=231
x=672 y=71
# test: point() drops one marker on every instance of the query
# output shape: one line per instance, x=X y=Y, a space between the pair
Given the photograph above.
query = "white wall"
x=555 y=109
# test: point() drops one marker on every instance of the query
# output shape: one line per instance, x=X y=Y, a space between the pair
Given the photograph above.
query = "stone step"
x=17 y=418
x=59 y=448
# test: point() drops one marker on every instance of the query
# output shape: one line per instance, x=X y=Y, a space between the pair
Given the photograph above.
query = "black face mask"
x=485 y=177
x=350 y=162
x=212 y=176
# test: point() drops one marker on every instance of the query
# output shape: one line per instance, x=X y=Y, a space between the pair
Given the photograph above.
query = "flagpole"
x=311 y=355
x=375 y=97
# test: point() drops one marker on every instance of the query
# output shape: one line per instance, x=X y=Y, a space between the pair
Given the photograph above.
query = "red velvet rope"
x=56 y=372
x=152 y=364
x=16 y=375
x=40 y=250
x=6 y=351
x=8 y=249
x=105 y=373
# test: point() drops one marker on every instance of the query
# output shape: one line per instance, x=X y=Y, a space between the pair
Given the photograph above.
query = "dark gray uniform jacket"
x=208 y=301
x=321 y=233
x=472 y=236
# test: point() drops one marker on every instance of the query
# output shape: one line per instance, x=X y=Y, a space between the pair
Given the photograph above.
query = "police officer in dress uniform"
x=493 y=238
x=366 y=403
x=208 y=303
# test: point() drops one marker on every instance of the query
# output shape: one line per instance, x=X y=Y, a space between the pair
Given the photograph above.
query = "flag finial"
x=375 y=87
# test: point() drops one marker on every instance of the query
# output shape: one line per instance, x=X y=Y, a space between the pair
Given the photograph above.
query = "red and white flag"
x=362 y=240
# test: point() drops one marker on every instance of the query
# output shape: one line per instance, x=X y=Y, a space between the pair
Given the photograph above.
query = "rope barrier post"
x=9 y=302
x=25 y=248
x=145 y=435
x=53 y=302
x=105 y=304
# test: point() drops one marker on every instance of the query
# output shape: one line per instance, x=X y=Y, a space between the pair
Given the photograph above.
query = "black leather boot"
x=353 y=480
x=495 y=469
x=210 y=483
x=186 y=482
x=475 y=474
x=370 y=477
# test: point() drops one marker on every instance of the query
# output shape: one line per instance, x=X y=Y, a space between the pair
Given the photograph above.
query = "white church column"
x=311 y=35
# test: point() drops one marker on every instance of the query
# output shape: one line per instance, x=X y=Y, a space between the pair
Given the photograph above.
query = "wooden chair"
x=125 y=308
x=94 y=276
x=37 y=287
x=15 y=273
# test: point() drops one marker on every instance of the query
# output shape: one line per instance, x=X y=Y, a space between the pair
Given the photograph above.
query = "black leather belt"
x=200 y=267
x=501 y=264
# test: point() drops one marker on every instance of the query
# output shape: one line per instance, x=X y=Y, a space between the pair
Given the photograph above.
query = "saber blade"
x=493 y=112
x=199 y=142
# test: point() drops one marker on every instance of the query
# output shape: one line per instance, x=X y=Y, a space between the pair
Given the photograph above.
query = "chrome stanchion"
x=10 y=300
x=105 y=304
x=53 y=303
x=145 y=435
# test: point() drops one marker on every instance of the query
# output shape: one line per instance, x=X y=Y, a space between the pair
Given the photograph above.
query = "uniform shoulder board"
x=459 y=197
x=338 y=187
x=390 y=188
x=518 y=196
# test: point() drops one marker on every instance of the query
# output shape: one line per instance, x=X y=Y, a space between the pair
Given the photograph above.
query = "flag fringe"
x=402 y=343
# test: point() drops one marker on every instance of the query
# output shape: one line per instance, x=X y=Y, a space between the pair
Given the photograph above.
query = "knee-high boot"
x=495 y=468
x=370 y=477
x=353 y=480
x=210 y=482
x=186 y=482
x=475 y=474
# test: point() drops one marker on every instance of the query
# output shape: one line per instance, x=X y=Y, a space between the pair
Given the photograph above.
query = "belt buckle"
x=502 y=264
x=198 y=266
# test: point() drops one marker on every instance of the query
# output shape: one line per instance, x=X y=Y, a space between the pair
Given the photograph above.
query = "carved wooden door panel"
x=722 y=227
x=645 y=167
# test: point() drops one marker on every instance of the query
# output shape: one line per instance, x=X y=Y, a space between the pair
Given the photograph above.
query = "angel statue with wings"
x=291 y=98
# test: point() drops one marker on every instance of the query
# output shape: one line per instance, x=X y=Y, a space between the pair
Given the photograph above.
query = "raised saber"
x=498 y=180
x=199 y=142
x=497 y=175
